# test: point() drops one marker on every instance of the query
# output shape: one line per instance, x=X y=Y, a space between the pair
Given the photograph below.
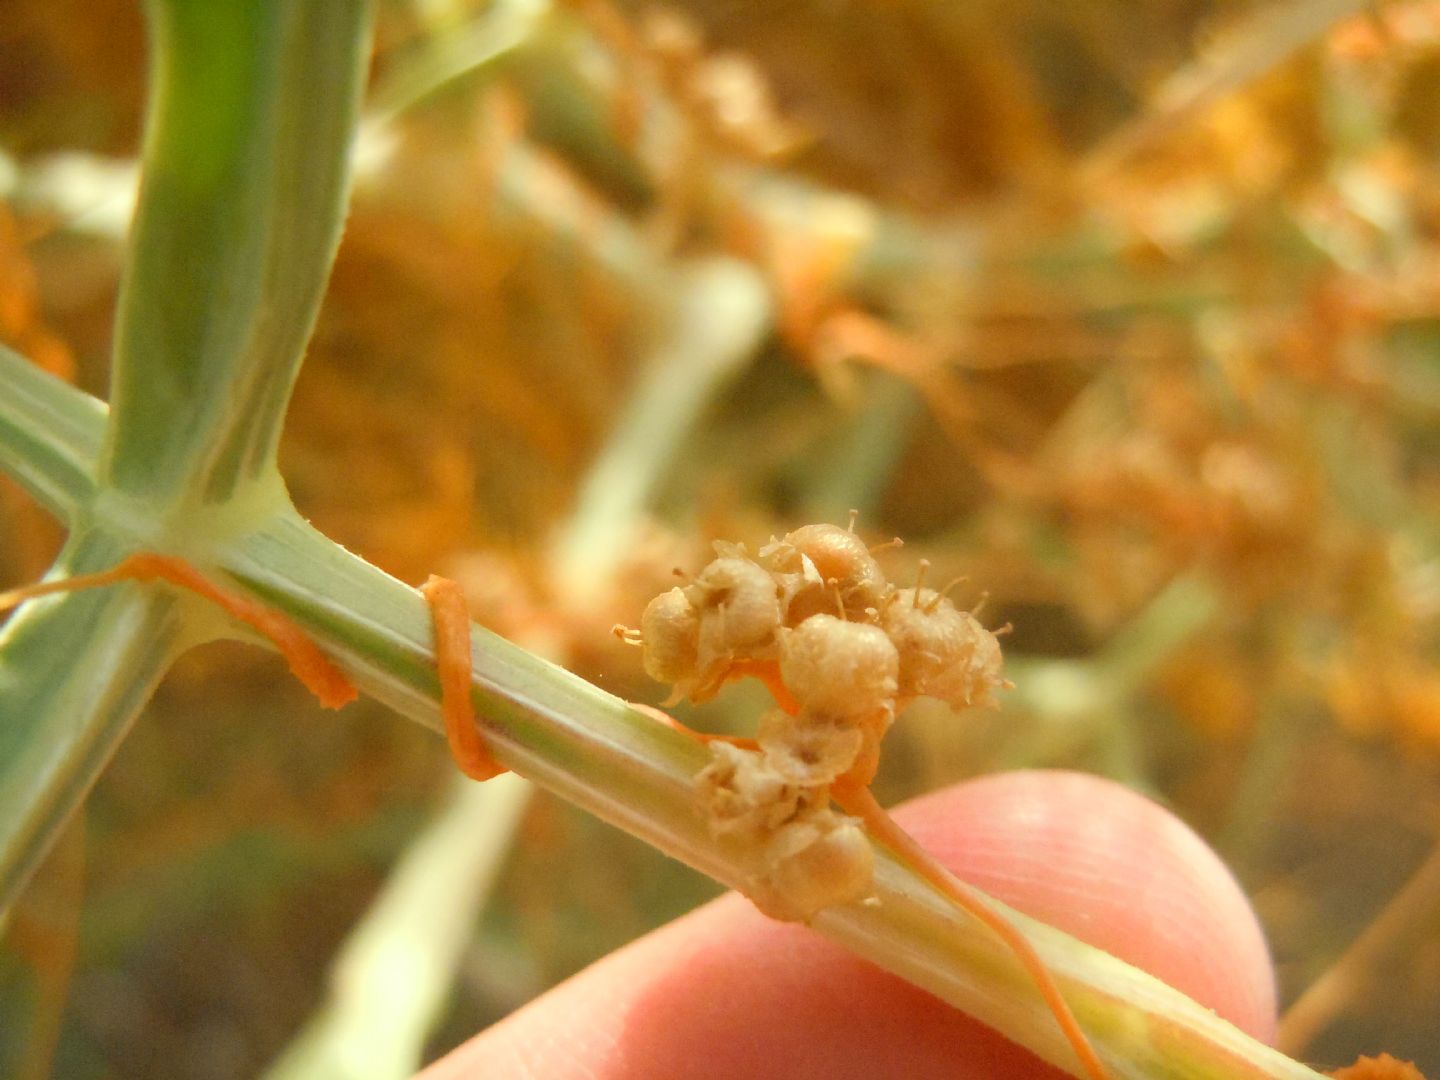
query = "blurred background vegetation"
x=1128 y=313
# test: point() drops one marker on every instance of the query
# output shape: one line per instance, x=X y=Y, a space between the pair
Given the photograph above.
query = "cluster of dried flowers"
x=843 y=650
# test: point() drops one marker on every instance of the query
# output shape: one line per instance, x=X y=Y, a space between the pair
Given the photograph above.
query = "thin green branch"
x=75 y=671
x=1406 y=923
x=393 y=974
x=50 y=435
x=716 y=322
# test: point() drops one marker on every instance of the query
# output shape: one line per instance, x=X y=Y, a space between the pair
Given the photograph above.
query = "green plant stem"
x=49 y=435
x=241 y=204
x=712 y=327
x=869 y=445
x=75 y=671
x=1080 y=700
x=456 y=52
x=715 y=325
x=1269 y=36
x=252 y=109
x=593 y=749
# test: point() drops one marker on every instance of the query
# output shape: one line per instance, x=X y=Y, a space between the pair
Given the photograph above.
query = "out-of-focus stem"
x=1412 y=912
x=720 y=312
x=1080 y=700
x=394 y=972
x=1270 y=36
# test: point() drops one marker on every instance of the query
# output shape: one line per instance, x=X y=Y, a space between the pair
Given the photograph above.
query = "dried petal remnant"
x=746 y=794
x=813 y=750
x=824 y=568
x=837 y=554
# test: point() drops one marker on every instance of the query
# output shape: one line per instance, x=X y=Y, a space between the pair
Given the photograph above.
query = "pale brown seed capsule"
x=944 y=653
x=670 y=634
x=811 y=750
x=985 y=666
x=743 y=793
x=817 y=861
x=739 y=612
x=806 y=856
x=738 y=603
x=839 y=669
x=825 y=569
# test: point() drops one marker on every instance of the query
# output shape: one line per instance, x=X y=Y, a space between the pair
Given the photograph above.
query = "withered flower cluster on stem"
x=843 y=651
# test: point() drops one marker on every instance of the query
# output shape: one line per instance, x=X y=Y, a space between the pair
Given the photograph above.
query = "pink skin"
x=726 y=993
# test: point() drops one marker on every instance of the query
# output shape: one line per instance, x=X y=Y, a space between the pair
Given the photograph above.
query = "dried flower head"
x=841 y=648
x=824 y=568
x=738 y=603
x=817 y=861
x=670 y=630
x=839 y=669
x=810 y=856
x=693 y=636
x=944 y=653
x=738 y=608
x=746 y=794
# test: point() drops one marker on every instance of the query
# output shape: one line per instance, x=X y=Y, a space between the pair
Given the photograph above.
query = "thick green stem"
x=241 y=204
x=594 y=750
x=252 y=109
x=75 y=671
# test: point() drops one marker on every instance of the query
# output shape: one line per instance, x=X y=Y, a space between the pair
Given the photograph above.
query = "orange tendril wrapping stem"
x=451 y=620
x=861 y=802
x=308 y=664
